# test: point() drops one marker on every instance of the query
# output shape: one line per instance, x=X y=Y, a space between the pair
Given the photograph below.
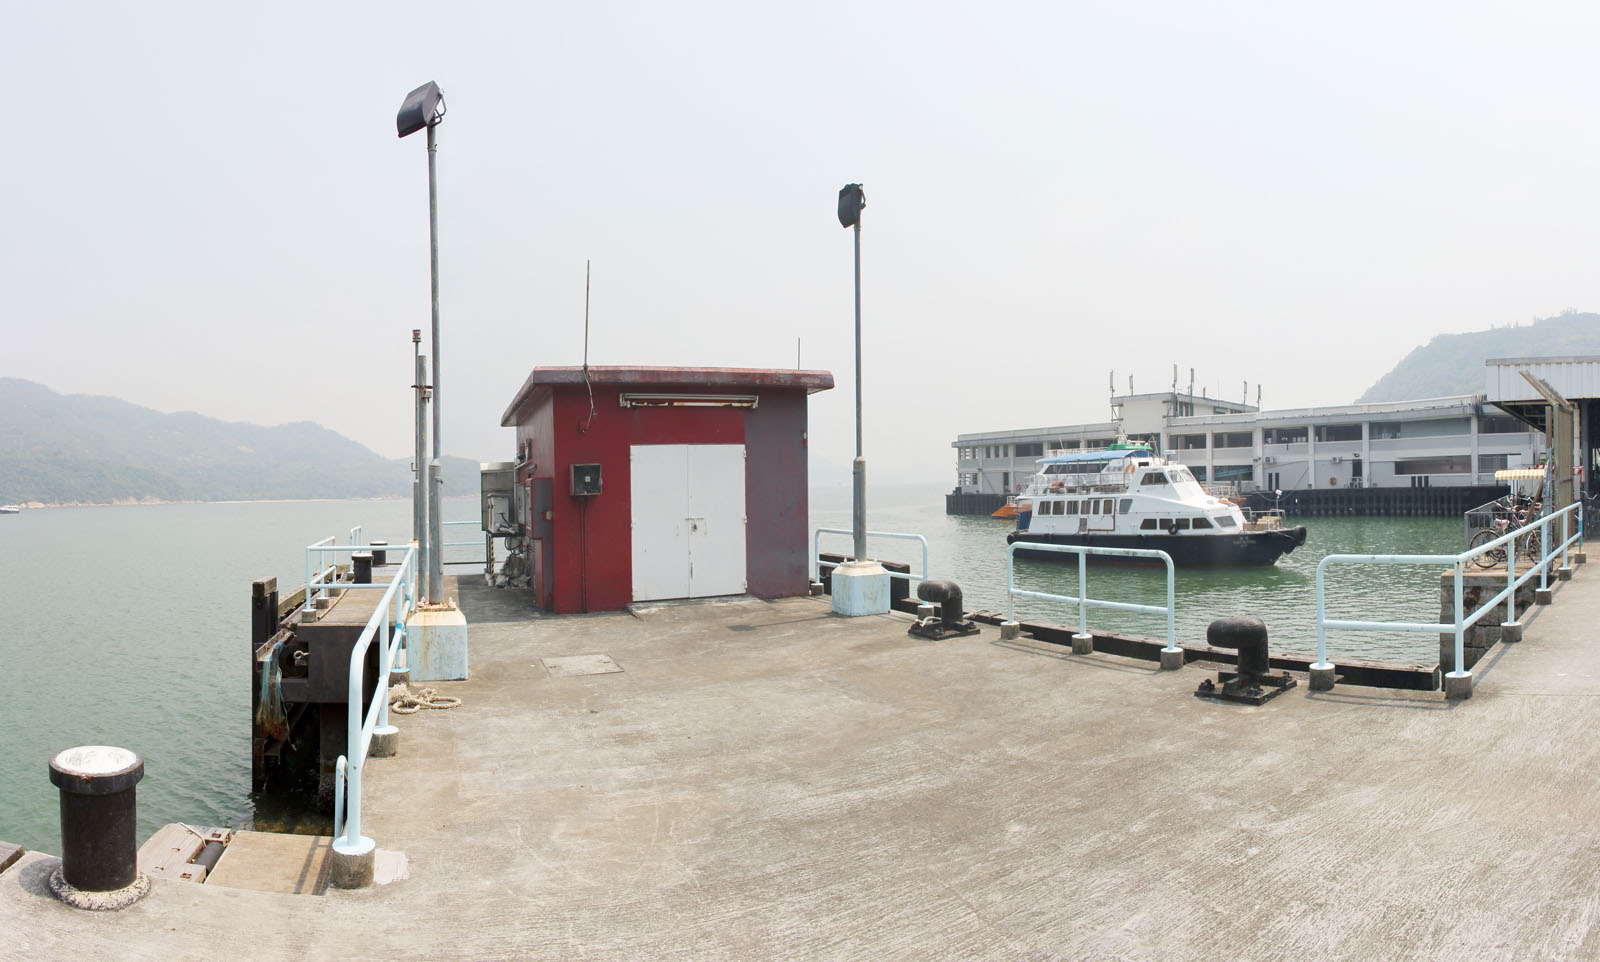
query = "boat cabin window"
x=1225 y=521
x=1180 y=524
x=1154 y=477
x=1092 y=507
x=1106 y=507
x=1056 y=506
x=1148 y=524
x=1200 y=523
x=1124 y=506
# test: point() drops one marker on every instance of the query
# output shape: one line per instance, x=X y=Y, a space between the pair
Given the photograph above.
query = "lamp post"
x=423 y=109
x=860 y=587
x=852 y=200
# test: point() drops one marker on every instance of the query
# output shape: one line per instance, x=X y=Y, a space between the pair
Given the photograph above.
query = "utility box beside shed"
x=651 y=483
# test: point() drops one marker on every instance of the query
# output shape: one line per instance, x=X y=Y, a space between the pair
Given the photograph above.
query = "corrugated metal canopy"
x=1518 y=474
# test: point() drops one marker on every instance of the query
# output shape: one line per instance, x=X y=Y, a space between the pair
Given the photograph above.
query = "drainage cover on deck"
x=567 y=666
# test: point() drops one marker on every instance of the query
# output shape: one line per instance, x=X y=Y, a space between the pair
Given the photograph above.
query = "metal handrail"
x=325 y=576
x=388 y=626
x=816 y=550
x=1462 y=620
x=1083 y=601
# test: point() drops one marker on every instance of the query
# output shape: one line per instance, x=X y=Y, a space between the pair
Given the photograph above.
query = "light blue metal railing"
x=816 y=551
x=1462 y=621
x=1083 y=601
x=323 y=575
x=388 y=626
x=462 y=544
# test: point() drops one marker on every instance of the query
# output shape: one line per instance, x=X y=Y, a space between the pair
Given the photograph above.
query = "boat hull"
x=1244 y=548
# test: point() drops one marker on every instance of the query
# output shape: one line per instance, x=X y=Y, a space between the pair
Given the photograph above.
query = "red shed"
x=647 y=483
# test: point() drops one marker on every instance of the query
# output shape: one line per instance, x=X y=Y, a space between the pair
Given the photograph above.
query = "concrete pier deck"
x=766 y=781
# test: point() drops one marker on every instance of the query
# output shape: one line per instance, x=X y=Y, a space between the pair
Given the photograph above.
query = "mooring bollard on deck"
x=361 y=567
x=99 y=820
x=380 y=553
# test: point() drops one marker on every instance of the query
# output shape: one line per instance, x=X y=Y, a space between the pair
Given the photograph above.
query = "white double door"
x=688 y=520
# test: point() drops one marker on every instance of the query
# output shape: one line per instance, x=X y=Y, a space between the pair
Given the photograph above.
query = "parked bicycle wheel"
x=1492 y=557
x=1530 y=546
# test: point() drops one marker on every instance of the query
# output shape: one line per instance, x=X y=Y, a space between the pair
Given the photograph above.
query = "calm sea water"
x=130 y=625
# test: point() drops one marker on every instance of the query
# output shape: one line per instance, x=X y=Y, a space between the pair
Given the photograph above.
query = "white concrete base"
x=1542 y=596
x=1171 y=660
x=1010 y=630
x=385 y=742
x=1580 y=557
x=1082 y=644
x=1563 y=573
x=1458 y=684
x=860 y=588
x=437 y=638
x=1510 y=631
x=351 y=868
x=1322 y=678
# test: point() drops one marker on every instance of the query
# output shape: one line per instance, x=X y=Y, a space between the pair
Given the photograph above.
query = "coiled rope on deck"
x=404 y=701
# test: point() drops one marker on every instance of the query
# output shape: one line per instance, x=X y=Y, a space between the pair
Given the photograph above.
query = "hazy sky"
x=205 y=207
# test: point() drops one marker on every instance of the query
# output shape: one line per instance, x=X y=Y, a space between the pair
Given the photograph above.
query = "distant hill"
x=1453 y=363
x=82 y=449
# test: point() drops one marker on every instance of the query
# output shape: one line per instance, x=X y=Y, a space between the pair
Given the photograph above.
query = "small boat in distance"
x=1124 y=496
x=10 y=509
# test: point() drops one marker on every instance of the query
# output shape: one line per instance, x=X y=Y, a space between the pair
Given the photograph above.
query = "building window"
x=1232 y=439
x=1033 y=450
x=1493 y=462
x=1448 y=464
x=1431 y=428
x=1283 y=435
x=1496 y=424
x=1338 y=432
x=1189 y=442
x=1233 y=472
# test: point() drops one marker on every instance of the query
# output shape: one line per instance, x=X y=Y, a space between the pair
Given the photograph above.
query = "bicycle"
x=1519 y=512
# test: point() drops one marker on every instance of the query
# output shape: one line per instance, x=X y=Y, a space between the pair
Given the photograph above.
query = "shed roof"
x=709 y=377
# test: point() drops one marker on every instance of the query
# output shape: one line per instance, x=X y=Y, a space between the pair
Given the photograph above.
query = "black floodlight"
x=851 y=200
x=424 y=107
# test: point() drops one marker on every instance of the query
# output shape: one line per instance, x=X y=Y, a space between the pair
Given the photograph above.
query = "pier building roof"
x=711 y=377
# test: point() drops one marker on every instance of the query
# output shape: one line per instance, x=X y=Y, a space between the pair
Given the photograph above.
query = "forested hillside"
x=1453 y=363
x=81 y=449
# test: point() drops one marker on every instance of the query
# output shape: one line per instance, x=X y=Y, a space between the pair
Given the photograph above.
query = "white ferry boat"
x=1126 y=497
x=10 y=509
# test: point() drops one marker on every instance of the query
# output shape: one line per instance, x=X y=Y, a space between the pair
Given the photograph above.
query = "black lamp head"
x=424 y=107
x=851 y=201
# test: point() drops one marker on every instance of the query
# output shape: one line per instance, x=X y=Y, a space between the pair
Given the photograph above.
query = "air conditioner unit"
x=1334 y=460
x=1269 y=459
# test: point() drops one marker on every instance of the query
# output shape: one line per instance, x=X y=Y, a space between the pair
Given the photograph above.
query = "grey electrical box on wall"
x=585 y=479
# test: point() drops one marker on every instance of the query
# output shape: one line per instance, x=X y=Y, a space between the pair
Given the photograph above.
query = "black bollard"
x=380 y=557
x=361 y=567
x=99 y=819
x=951 y=621
x=1253 y=683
